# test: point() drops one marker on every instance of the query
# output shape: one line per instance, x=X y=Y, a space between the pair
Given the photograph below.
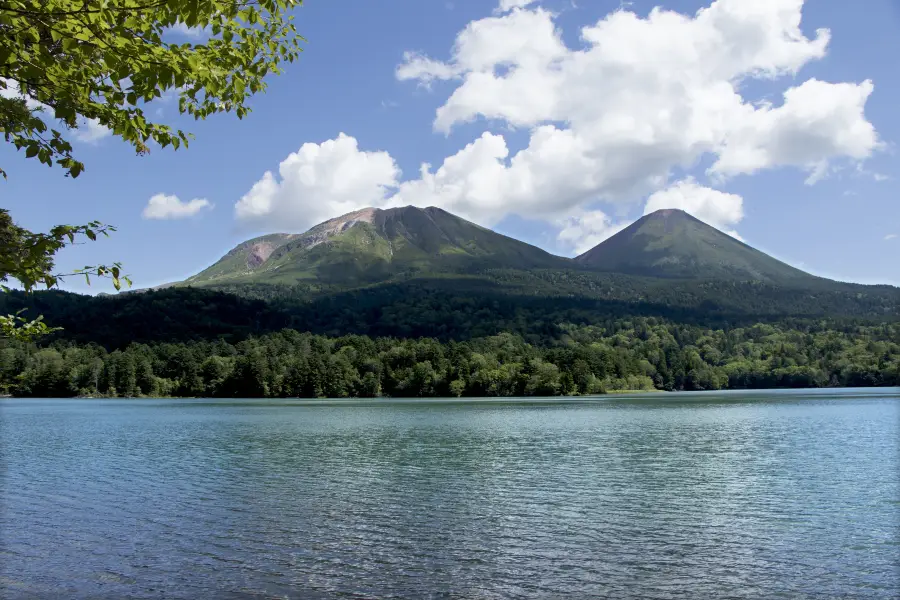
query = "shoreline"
x=444 y=399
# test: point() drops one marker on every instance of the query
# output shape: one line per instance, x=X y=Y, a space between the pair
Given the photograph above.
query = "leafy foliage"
x=168 y=315
x=18 y=327
x=533 y=304
x=29 y=258
x=633 y=354
x=453 y=336
x=75 y=59
x=72 y=61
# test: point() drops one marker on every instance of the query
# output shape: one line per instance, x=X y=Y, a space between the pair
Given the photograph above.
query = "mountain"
x=371 y=245
x=371 y=270
x=671 y=243
x=409 y=273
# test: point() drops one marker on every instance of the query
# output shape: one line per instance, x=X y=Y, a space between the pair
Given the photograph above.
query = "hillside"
x=672 y=244
x=373 y=245
x=410 y=272
x=537 y=304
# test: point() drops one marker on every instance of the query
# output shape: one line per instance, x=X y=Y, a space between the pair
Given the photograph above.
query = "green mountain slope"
x=411 y=272
x=673 y=244
x=244 y=258
x=372 y=245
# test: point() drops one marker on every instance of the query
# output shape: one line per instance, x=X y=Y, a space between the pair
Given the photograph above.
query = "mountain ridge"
x=372 y=244
x=413 y=272
x=671 y=243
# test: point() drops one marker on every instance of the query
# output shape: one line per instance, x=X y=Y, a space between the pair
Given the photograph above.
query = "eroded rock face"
x=321 y=233
x=258 y=254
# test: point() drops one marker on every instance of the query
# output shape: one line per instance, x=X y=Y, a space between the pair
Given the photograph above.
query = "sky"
x=557 y=122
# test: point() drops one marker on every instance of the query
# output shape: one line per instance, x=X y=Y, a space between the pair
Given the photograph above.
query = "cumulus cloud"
x=648 y=94
x=423 y=69
x=162 y=206
x=190 y=32
x=608 y=122
x=719 y=209
x=817 y=121
x=479 y=182
x=91 y=131
x=890 y=236
x=508 y=5
x=318 y=182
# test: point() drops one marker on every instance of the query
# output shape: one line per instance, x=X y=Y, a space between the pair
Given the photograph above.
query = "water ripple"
x=781 y=497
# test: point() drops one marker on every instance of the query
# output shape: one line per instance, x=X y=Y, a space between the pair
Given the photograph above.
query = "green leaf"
x=99 y=59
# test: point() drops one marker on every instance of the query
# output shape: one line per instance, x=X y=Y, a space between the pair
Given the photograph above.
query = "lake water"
x=718 y=495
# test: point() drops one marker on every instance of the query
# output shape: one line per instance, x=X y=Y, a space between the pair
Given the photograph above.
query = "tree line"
x=643 y=353
x=449 y=308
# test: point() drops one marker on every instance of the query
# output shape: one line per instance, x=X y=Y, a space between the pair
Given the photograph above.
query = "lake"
x=712 y=495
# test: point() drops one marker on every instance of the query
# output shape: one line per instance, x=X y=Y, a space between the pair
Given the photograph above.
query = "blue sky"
x=532 y=125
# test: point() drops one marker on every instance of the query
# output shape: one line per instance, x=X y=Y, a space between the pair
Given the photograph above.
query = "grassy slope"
x=234 y=263
x=672 y=243
x=665 y=259
x=401 y=240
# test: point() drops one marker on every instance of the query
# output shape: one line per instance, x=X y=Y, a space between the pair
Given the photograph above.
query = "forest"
x=532 y=304
x=639 y=353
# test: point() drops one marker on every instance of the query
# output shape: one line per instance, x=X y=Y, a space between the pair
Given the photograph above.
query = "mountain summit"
x=670 y=243
x=374 y=245
x=371 y=245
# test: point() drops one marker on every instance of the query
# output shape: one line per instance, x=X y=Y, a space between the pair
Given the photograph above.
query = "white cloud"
x=816 y=122
x=890 y=236
x=190 y=32
x=862 y=171
x=421 y=68
x=719 y=209
x=608 y=122
x=318 y=182
x=649 y=94
x=547 y=180
x=508 y=5
x=91 y=131
x=162 y=206
x=583 y=232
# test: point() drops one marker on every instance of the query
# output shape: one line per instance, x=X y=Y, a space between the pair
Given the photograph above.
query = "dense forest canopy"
x=441 y=338
x=519 y=322
x=450 y=307
x=640 y=354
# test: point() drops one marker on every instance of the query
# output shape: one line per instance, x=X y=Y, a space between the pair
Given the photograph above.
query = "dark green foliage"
x=462 y=312
x=635 y=354
x=168 y=315
x=528 y=303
